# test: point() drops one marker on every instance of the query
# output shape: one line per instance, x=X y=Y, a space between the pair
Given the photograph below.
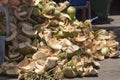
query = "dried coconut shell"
x=79 y=67
x=98 y=44
x=65 y=42
x=62 y=63
x=113 y=54
x=51 y=62
x=39 y=69
x=98 y=56
x=16 y=13
x=101 y=32
x=6 y=66
x=13 y=27
x=72 y=51
x=63 y=6
x=41 y=61
x=96 y=64
x=30 y=33
x=54 y=44
x=26 y=48
x=73 y=37
x=58 y=73
x=48 y=16
x=42 y=53
x=69 y=72
x=46 y=35
x=1 y=70
x=12 y=72
x=12 y=54
x=28 y=67
x=112 y=43
x=90 y=71
x=12 y=36
x=24 y=62
x=80 y=38
x=76 y=59
x=22 y=38
x=91 y=35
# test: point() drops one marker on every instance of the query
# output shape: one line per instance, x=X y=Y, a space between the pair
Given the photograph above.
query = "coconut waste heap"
x=48 y=42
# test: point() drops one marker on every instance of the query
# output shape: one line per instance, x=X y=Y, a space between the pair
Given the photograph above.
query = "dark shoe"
x=102 y=21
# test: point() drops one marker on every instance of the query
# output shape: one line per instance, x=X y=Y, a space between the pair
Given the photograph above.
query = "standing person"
x=101 y=8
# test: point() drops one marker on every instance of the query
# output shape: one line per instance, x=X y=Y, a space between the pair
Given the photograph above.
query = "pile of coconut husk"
x=2 y=25
x=48 y=42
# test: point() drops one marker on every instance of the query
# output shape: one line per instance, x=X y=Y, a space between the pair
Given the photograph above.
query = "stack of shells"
x=48 y=42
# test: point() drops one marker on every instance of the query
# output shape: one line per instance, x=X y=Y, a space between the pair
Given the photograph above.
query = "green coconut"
x=71 y=11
